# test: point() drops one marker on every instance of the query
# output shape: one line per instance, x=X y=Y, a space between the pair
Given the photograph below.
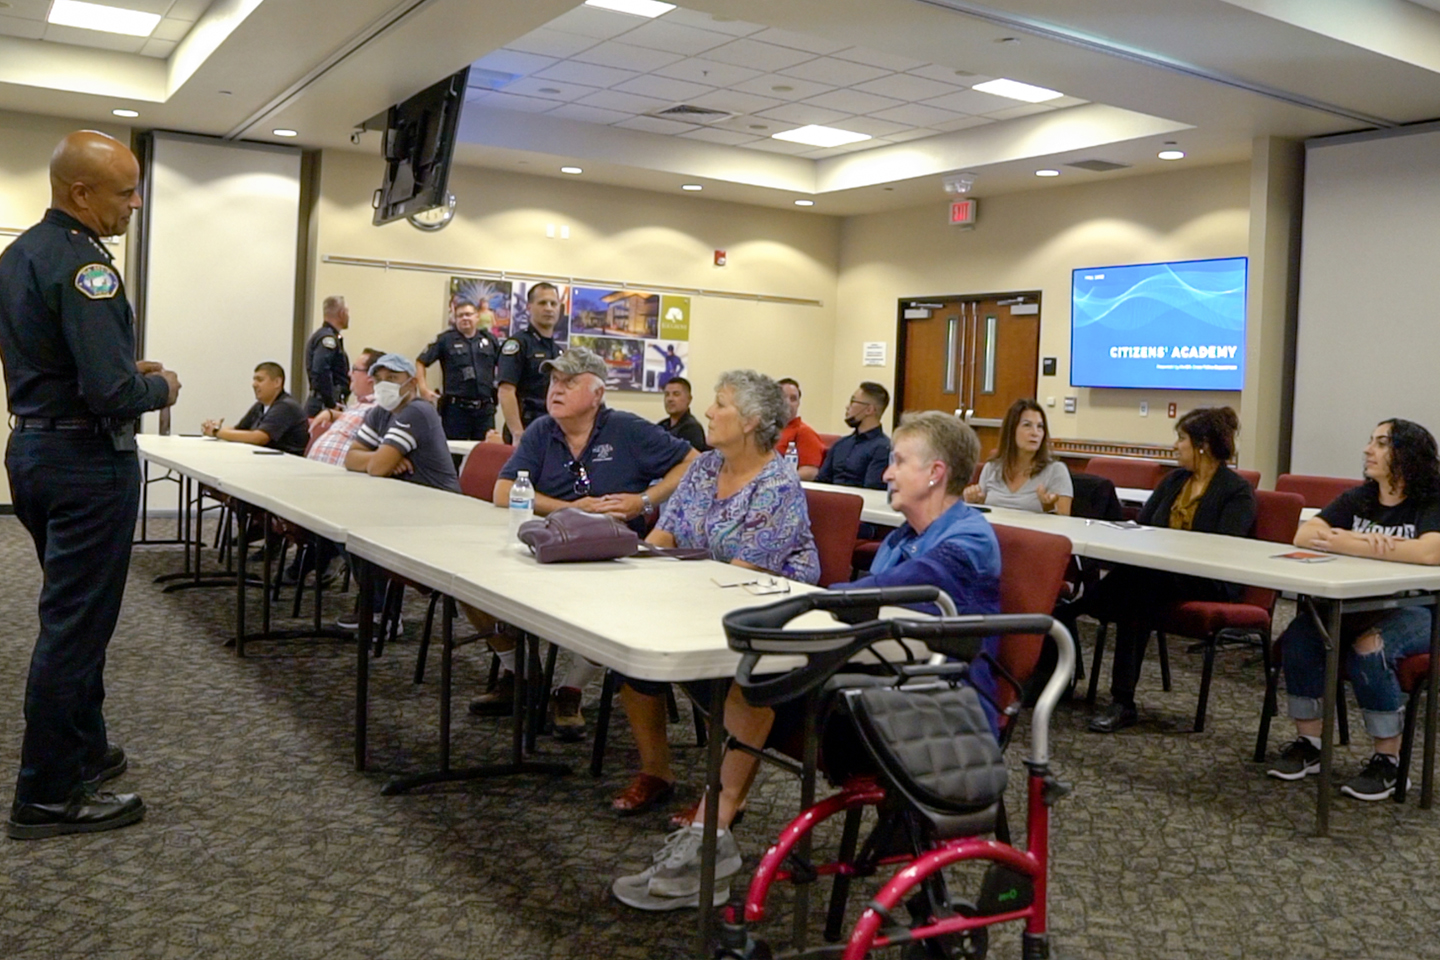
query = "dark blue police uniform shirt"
x=858 y=460
x=626 y=454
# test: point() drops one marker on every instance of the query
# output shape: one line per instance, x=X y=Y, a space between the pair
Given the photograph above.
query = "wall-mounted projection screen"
x=1369 y=325
x=222 y=229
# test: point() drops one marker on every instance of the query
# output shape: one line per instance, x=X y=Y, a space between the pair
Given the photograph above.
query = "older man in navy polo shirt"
x=584 y=454
x=860 y=459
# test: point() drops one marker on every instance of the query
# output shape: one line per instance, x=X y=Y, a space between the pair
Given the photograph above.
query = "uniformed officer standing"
x=467 y=356
x=522 y=383
x=67 y=336
x=325 y=362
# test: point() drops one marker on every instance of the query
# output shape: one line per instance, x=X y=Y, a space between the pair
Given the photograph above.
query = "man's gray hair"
x=756 y=395
x=333 y=305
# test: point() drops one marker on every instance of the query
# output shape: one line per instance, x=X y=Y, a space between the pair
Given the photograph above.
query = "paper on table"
x=1118 y=524
x=1305 y=556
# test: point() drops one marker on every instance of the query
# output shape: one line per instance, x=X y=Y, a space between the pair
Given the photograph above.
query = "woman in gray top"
x=1023 y=475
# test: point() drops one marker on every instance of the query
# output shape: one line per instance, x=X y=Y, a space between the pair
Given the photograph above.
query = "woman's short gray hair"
x=946 y=439
x=756 y=395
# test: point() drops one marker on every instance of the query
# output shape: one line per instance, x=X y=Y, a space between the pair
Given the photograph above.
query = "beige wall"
x=26 y=142
x=1031 y=241
x=635 y=236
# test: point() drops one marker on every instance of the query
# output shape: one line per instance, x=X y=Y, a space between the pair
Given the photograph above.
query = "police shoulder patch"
x=97 y=281
x=328 y=342
x=511 y=347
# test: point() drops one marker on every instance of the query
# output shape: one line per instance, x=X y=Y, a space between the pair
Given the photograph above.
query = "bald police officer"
x=523 y=384
x=326 y=364
x=67 y=337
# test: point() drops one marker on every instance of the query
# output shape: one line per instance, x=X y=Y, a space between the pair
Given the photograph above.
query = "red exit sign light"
x=962 y=212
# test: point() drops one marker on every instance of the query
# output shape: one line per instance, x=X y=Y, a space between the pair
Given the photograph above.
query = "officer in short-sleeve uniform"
x=328 y=368
x=67 y=337
x=467 y=400
x=520 y=360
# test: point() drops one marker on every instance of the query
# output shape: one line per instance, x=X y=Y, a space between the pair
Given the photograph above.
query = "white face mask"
x=387 y=394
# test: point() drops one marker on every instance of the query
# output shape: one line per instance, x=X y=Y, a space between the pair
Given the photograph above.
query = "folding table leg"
x=1327 y=733
x=715 y=751
x=1427 y=778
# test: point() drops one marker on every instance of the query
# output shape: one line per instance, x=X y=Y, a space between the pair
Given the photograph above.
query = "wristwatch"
x=646 y=506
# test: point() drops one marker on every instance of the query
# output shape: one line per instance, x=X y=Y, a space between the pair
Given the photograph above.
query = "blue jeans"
x=78 y=499
x=1403 y=632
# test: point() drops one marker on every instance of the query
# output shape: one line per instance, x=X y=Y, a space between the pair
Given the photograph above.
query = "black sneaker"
x=1297 y=761
x=1377 y=781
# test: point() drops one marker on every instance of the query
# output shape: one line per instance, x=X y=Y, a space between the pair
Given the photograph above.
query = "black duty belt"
x=467 y=403
x=68 y=424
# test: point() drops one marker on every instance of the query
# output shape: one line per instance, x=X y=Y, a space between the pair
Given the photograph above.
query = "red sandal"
x=643 y=793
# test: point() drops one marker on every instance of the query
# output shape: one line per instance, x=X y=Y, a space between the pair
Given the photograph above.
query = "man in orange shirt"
x=808 y=451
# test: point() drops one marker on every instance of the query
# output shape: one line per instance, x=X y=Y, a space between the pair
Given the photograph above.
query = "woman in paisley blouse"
x=744 y=504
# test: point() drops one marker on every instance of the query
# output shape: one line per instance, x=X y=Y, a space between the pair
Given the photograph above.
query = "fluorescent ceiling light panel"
x=122 y=112
x=1015 y=90
x=1171 y=155
x=818 y=136
x=97 y=16
x=640 y=8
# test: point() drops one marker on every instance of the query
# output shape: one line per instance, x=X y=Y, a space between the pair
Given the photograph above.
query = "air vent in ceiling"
x=1098 y=166
x=692 y=114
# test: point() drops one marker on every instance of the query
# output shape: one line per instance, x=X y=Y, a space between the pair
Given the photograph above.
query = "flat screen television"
x=419 y=142
x=1169 y=326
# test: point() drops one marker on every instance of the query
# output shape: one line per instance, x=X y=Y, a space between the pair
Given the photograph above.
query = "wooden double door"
x=974 y=356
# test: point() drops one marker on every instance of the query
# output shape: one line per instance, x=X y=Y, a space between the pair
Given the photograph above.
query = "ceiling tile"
x=171 y=29
x=736 y=102
x=551 y=43
x=771 y=145
x=837 y=73
x=594 y=22
x=753 y=126
x=789 y=88
x=961 y=123
x=144 y=6
x=1023 y=110
x=92 y=38
x=914 y=133
x=800 y=114
x=514 y=61
x=656 y=125
x=25 y=29
x=675 y=91
x=712 y=135
x=916 y=115
x=854 y=101
x=823 y=152
x=704 y=21
x=589 y=74
x=933 y=71
x=574 y=111
x=799 y=41
x=1065 y=102
x=907 y=87
x=758 y=56
x=188 y=9
x=879 y=58
x=713 y=72
x=28 y=10
x=971 y=101
x=509 y=101
x=626 y=57
x=549 y=89
x=876 y=128
x=159 y=49
x=674 y=37
x=625 y=102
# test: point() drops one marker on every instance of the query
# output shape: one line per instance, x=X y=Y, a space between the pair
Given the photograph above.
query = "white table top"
x=461 y=447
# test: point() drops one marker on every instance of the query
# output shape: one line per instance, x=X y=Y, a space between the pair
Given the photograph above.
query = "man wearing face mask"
x=860 y=459
x=401 y=436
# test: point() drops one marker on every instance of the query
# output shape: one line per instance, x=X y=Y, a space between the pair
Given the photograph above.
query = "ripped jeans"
x=1403 y=632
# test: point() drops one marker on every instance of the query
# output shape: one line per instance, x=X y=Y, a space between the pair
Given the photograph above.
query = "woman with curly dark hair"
x=1394 y=515
x=1204 y=495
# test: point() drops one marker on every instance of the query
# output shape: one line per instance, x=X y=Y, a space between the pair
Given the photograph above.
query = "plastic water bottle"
x=522 y=502
x=792 y=456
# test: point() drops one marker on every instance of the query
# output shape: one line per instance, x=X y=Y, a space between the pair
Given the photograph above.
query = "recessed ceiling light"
x=549 y=90
x=691 y=186
x=575 y=170
x=1015 y=90
x=817 y=136
x=97 y=16
x=640 y=8
x=1047 y=173
x=122 y=112
x=759 y=126
x=782 y=88
x=804 y=203
x=1171 y=154
x=285 y=132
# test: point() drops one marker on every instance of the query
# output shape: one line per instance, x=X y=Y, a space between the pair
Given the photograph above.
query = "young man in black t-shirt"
x=1395 y=516
x=276 y=419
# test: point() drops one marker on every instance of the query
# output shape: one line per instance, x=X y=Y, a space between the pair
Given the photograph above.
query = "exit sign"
x=962 y=212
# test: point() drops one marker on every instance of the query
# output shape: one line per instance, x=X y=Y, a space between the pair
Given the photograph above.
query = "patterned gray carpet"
x=262 y=842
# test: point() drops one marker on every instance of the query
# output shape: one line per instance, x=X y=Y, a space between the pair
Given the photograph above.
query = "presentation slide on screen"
x=1174 y=326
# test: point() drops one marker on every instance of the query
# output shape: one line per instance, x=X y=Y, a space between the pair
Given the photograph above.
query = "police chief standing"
x=466 y=354
x=75 y=389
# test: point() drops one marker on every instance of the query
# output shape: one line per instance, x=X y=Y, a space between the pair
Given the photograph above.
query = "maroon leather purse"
x=572 y=535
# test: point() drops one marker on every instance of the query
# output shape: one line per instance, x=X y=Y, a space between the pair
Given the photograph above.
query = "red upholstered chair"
x=481 y=468
x=1032 y=573
x=1276 y=518
x=1317 y=491
x=834 y=520
x=828 y=440
x=1414 y=680
x=1252 y=477
x=1129 y=471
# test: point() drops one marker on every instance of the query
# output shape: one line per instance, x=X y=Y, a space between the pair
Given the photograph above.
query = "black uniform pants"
x=466 y=423
x=78 y=499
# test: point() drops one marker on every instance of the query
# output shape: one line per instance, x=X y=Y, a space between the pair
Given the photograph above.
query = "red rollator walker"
x=900 y=731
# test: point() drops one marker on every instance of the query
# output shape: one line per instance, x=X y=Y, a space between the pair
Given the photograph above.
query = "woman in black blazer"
x=1204 y=495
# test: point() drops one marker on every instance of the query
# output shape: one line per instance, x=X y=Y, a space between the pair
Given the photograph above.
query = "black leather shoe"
x=1117 y=716
x=499 y=702
x=85 y=812
x=111 y=766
